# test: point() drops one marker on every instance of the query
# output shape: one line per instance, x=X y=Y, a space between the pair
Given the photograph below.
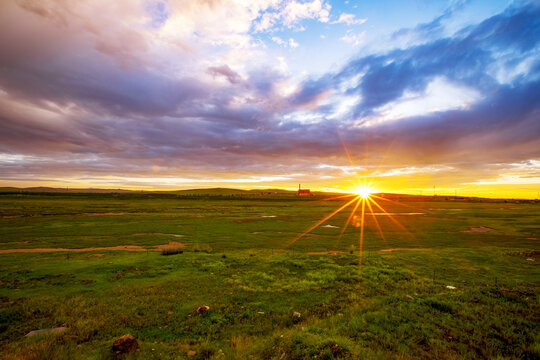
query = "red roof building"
x=304 y=192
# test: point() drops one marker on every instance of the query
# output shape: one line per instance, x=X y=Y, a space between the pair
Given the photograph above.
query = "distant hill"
x=273 y=191
x=211 y=191
x=62 y=190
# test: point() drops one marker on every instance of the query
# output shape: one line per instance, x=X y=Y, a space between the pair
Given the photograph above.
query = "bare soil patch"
x=105 y=248
x=479 y=229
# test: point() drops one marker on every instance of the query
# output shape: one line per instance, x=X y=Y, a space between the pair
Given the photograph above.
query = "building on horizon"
x=303 y=192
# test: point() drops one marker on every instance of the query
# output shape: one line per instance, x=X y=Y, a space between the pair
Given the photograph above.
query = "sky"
x=412 y=96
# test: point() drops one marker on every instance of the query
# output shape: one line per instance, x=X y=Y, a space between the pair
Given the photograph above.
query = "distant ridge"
x=253 y=193
x=60 y=190
x=209 y=191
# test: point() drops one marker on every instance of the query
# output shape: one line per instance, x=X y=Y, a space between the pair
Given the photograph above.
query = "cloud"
x=291 y=13
x=354 y=39
x=348 y=19
x=293 y=43
x=225 y=71
x=296 y=11
x=195 y=96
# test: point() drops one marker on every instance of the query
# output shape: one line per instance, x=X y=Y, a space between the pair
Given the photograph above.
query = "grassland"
x=395 y=304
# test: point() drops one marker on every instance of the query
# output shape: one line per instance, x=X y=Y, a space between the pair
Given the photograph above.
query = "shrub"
x=171 y=251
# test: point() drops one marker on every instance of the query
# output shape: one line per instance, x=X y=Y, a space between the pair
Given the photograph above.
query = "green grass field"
x=395 y=304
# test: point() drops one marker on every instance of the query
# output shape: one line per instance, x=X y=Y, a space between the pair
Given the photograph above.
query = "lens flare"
x=364 y=191
x=364 y=199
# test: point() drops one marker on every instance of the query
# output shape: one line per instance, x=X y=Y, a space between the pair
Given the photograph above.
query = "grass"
x=395 y=305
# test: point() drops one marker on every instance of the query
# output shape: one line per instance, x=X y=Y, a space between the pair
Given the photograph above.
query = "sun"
x=364 y=191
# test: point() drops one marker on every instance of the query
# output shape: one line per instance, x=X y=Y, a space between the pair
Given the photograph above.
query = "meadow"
x=456 y=280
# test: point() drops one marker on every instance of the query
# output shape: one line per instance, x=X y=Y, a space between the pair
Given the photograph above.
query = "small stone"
x=260 y=312
x=126 y=344
x=450 y=287
x=203 y=309
x=43 y=331
x=530 y=259
x=296 y=314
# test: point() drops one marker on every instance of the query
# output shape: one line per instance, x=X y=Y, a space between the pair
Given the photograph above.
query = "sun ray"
x=345 y=148
x=361 y=238
x=336 y=244
x=399 y=203
x=369 y=200
x=320 y=222
x=392 y=218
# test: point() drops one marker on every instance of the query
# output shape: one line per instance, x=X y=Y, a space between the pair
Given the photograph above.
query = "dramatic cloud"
x=187 y=90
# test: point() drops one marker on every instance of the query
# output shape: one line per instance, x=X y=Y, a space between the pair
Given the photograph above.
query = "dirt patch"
x=331 y=252
x=110 y=248
x=404 y=249
x=479 y=229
